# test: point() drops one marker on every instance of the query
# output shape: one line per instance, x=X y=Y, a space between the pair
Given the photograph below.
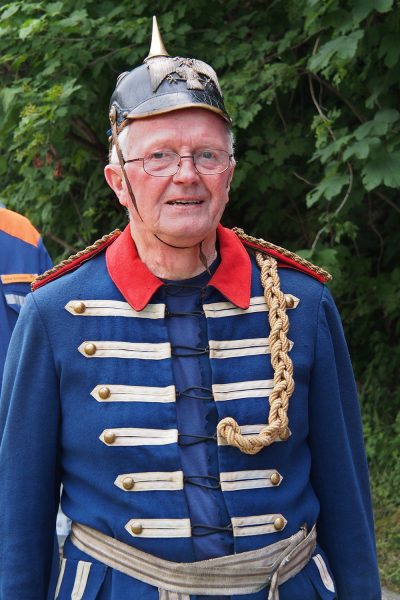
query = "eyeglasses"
x=165 y=163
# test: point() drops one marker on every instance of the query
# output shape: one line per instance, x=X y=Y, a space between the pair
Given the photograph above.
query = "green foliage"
x=387 y=523
x=313 y=91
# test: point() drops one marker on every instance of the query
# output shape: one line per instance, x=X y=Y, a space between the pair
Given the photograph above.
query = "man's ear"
x=113 y=176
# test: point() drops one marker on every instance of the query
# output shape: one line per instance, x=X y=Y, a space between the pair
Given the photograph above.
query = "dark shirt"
x=197 y=416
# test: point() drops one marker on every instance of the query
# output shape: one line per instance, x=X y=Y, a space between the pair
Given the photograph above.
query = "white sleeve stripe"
x=323 y=571
x=60 y=577
x=15 y=299
x=81 y=579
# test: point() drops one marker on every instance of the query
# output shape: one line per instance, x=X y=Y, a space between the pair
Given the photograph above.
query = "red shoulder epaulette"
x=284 y=257
x=74 y=261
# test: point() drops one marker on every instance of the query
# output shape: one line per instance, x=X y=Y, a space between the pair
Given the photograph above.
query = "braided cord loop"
x=278 y=422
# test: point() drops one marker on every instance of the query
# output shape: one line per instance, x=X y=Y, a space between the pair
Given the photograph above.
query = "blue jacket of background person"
x=89 y=370
x=22 y=257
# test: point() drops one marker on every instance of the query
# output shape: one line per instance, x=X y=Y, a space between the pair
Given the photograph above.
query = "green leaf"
x=8 y=10
x=75 y=19
x=3 y=165
x=52 y=66
x=379 y=125
x=54 y=8
x=383 y=6
x=343 y=47
x=7 y=96
x=382 y=168
x=329 y=187
x=389 y=115
x=390 y=49
x=362 y=8
x=69 y=88
x=328 y=151
x=30 y=27
x=360 y=149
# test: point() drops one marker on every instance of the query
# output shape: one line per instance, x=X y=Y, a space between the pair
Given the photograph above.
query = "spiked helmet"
x=163 y=84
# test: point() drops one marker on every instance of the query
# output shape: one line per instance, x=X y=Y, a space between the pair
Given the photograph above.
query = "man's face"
x=184 y=208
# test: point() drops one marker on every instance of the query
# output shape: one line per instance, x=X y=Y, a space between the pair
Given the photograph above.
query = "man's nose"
x=186 y=170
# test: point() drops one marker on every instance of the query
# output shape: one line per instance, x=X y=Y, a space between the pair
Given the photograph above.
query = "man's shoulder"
x=18 y=227
x=75 y=261
x=285 y=258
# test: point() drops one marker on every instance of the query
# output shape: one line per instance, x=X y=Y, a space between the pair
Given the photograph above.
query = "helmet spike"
x=157 y=47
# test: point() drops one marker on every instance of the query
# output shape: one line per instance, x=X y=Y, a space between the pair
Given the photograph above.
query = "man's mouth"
x=184 y=202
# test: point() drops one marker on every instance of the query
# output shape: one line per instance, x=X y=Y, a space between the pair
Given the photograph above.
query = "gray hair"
x=122 y=139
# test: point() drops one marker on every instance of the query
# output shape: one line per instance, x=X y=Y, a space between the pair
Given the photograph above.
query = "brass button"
x=279 y=523
x=275 y=478
x=104 y=392
x=90 y=349
x=136 y=528
x=128 y=483
x=109 y=437
x=79 y=307
x=289 y=301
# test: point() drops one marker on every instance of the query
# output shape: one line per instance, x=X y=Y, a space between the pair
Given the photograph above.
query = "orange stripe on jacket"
x=17 y=278
x=18 y=226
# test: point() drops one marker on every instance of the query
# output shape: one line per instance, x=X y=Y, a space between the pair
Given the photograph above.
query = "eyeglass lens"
x=207 y=162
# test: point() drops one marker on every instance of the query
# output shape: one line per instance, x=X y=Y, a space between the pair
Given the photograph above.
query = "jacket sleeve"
x=29 y=490
x=339 y=470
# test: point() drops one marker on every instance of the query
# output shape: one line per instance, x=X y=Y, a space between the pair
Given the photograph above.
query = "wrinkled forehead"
x=189 y=127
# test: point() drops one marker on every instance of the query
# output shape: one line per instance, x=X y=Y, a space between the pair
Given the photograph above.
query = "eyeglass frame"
x=178 y=166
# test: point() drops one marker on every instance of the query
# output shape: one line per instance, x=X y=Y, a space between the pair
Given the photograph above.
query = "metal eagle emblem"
x=196 y=73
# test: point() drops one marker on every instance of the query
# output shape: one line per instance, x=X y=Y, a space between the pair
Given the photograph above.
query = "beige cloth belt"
x=235 y=574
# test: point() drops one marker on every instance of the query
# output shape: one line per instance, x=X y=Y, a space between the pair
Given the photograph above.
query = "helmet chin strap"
x=171 y=245
x=113 y=121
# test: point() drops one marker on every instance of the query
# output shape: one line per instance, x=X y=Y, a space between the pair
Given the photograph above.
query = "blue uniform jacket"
x=22 y=257
x=89 y=401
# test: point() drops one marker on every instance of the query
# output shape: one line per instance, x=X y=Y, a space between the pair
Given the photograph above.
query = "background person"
x=22 y=257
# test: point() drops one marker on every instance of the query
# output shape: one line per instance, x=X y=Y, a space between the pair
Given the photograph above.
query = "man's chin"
x=183 y=237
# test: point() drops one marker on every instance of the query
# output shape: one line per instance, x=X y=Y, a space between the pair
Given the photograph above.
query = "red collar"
x=137 y=284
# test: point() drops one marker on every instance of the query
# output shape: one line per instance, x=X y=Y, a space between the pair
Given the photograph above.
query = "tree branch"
x=303 y=179
x=378 y=234
x=335 y=91
x=387 y=200
x=98 y=151
x=60 y=242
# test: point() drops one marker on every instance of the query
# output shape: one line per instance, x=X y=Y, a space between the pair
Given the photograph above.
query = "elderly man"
x=189 y=385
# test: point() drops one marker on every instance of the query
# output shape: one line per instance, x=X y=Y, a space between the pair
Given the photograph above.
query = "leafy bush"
x=312 y=87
